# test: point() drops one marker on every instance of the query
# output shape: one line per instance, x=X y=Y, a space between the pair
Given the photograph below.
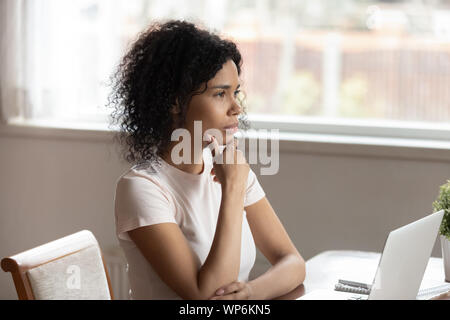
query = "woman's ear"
x=175 y=108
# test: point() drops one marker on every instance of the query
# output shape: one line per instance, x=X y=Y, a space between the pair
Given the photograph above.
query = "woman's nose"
x=236 y=108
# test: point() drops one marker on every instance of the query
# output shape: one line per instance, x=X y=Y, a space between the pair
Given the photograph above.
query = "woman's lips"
x=231 y=129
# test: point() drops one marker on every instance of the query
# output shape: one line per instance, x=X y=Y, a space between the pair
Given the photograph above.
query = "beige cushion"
x=78 y=276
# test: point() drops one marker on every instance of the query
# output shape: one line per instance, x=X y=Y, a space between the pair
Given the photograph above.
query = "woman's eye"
x=222 y=94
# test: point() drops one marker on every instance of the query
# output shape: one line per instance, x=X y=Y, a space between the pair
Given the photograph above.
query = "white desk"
x=324 y=270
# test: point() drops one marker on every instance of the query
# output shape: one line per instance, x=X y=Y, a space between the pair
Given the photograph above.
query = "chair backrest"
x=69 y=268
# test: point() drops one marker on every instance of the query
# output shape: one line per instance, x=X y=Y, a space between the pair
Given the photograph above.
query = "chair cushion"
x=78 y=276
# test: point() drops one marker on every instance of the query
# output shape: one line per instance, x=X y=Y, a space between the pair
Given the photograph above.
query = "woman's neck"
x=196 y=165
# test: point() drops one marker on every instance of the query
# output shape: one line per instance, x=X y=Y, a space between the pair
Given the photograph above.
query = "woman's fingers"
x=223 y=154
x=214 y=146
x=233 y=287
x=230 y=151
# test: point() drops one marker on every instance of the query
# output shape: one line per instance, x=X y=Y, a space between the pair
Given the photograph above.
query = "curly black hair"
x=165 y=66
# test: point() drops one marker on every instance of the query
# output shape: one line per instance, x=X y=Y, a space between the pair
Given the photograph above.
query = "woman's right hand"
x=230 y=166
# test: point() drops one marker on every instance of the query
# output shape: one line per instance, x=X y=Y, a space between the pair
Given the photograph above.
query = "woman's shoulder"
x=144 y=175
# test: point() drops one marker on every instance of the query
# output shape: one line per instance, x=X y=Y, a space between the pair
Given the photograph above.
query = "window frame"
x=308 y=143
x=352 y=127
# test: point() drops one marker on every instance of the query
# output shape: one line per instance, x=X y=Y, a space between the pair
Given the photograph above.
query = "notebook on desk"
x=364 y=288
x=401 y=266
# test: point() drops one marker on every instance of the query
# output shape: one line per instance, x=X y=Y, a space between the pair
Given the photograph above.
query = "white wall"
x=51 y=187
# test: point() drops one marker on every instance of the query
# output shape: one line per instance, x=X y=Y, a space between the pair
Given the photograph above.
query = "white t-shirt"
x=147 y=195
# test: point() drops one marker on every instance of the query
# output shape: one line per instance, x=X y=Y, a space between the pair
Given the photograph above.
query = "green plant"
x=443 y=202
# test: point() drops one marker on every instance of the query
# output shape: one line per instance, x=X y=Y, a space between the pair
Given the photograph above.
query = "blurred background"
x=335 y=59
x=360 y=91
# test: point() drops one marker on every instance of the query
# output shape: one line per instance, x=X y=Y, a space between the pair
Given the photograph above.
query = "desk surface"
x=324 y=270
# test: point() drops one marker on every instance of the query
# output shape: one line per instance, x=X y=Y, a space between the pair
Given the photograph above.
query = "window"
x=305 y=62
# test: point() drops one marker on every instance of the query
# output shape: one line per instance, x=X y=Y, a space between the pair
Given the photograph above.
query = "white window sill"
x=290 y=142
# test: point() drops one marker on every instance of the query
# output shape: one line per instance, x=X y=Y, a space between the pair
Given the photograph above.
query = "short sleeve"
x=254 y=191
x=140 y=202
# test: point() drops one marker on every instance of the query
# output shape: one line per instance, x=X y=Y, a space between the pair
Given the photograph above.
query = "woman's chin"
x=228 y=138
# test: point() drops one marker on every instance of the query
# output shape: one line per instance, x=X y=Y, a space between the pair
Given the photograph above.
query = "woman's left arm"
x=288 y=267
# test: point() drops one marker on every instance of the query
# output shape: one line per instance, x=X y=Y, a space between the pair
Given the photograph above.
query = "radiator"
x=117 y=269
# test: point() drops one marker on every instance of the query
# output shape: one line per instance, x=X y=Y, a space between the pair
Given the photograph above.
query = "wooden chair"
x=70 y=268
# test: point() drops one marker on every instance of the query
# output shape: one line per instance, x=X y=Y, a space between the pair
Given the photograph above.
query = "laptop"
x=401 y=266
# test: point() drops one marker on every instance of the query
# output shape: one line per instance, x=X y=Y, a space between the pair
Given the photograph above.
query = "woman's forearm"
x=284 y=276
x=222 y=265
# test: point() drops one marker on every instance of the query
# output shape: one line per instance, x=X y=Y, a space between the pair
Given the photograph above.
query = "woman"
x=189 y=229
